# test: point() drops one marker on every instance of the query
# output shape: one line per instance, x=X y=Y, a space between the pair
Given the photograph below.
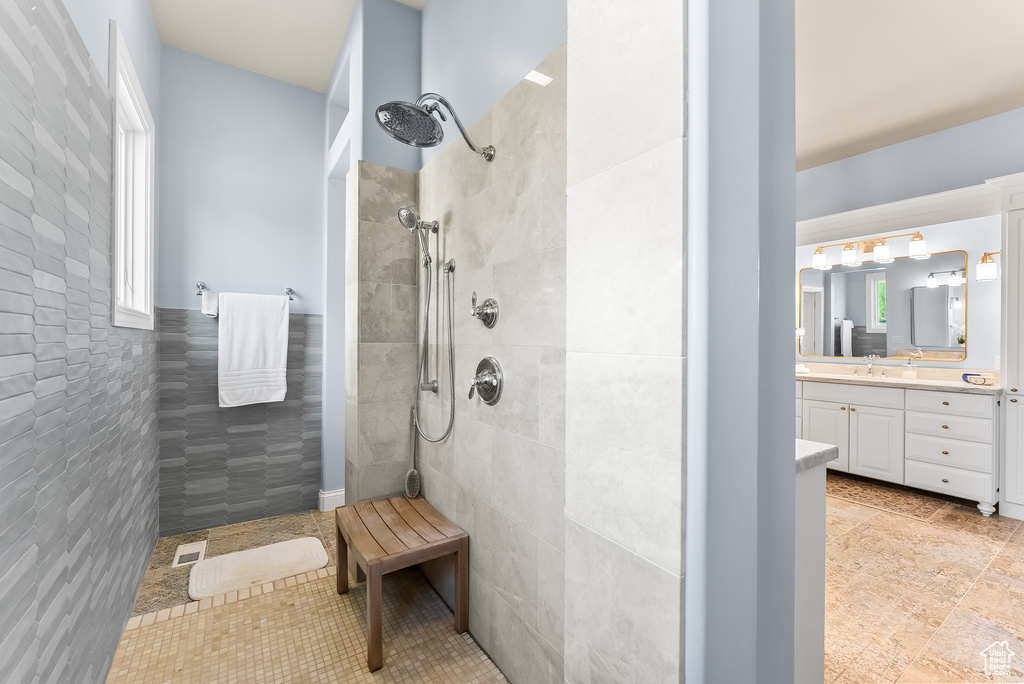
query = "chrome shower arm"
x=486 y=152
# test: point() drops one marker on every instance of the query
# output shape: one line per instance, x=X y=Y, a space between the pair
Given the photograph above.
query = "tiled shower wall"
x=380 y=331
x=220 y=466
x=625 y=343
x=78 y=453
x=500 y=476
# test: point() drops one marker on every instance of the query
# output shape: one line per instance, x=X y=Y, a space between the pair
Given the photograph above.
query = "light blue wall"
x=475 y=51
x=955 y=158
x=379 y=61
x=92 y=19
x=240 y=184
x=391 y=71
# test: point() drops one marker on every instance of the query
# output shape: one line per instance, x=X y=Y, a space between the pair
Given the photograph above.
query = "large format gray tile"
x=615 y=600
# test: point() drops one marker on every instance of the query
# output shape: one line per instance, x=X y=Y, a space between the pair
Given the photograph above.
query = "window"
x=134 y=145
x=876 y=304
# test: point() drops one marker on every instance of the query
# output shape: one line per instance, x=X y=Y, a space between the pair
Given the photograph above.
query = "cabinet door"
x=1013 y=459
x=876 y=443
x=828 y=422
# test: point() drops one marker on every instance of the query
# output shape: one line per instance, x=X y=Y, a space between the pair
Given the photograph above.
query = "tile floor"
x=295 y=630
x=917 y=586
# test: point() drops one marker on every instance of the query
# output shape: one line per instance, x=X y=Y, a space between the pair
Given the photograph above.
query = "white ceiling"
x=291 y=40
x=871 y=73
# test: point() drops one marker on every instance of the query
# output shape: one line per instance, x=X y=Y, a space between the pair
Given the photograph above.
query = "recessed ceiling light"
x=538 y=78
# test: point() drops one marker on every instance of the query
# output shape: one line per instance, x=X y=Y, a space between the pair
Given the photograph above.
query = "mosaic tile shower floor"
x=296 y=630
x=917 y=586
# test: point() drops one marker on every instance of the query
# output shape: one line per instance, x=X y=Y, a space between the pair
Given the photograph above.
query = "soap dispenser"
x=910 y=370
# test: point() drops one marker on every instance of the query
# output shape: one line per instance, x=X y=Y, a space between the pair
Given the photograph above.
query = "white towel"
x=211 y=303
x=252 y=348
x=846 y=335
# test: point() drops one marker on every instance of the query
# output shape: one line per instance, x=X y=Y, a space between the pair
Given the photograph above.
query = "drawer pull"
x=852 y=409
x=1013 y=389
x=842 y=408
x=945 y=403
x=945 y=427
x=1014 y=401
x=945 y=480
x=945 y=453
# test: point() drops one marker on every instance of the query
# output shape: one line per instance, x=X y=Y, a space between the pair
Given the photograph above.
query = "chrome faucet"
x=868 y=359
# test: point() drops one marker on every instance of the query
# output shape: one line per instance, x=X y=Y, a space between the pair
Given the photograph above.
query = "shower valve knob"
x=486 y=312
x=488 y=381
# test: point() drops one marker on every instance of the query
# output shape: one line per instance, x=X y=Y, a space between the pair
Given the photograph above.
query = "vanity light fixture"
x=881 y=253
x=918 y=247
x=850 y=255
x=874 y=249
x=986 y=268
x=955 y=279
x=820 y=261
x=931 y=282
x=956 y=303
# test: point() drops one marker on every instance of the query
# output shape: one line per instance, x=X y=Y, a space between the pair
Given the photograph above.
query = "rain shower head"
x=410 y=124
x=413 y=124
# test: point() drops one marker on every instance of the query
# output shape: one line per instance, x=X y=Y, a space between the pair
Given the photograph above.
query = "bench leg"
x=342 y=562
x=374 y=615
x=462 y=586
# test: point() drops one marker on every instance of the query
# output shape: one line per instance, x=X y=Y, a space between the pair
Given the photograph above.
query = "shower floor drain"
x=187 y=554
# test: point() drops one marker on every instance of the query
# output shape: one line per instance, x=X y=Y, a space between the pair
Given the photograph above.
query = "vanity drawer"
x=953 y=403
x=882 y=397
x=951 y=427
x=954 y=481
x=950 y=452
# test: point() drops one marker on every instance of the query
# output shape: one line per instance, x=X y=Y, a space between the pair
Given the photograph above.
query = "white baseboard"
x=332 y=499
x=1010 y=510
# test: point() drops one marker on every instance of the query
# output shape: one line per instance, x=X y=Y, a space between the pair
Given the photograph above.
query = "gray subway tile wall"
x=220 y=466
x=78 y=434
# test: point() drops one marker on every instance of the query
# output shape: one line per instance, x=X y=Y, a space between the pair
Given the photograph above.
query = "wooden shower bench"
x=391 y=534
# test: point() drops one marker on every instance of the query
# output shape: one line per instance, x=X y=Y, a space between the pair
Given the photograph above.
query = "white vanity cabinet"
x=951 y=445
x=866 y=423
x=940 y=441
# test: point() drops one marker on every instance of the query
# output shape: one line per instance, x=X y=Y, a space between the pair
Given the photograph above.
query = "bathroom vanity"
x=937 y=435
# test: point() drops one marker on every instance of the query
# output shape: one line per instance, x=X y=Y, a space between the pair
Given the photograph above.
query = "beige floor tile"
x=306 y=633
x=325 y=520
x=841 y=516
x=250 y=535
x=954 y=652
x=889 y=497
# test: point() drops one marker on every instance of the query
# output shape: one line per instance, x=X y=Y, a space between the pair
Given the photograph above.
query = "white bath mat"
x=245 y=569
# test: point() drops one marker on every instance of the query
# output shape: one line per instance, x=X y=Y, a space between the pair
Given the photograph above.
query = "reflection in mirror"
x=902 y=309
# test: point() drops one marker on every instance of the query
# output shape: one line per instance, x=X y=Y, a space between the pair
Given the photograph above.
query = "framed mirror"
x=907 y=308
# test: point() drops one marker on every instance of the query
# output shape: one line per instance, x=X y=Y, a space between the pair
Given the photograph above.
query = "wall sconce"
x=931 y=282
x=955 y=279
x=918 y=247
x=986 y=269
x=955 y=303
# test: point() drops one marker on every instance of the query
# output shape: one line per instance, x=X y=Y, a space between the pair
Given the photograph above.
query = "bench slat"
x=434 y=518
x=361 y=537
x=397 y=525
x=379 y=529
x=415 y=520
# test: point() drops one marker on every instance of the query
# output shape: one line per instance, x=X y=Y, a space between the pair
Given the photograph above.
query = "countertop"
x=813 y=454
x=902 y=383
